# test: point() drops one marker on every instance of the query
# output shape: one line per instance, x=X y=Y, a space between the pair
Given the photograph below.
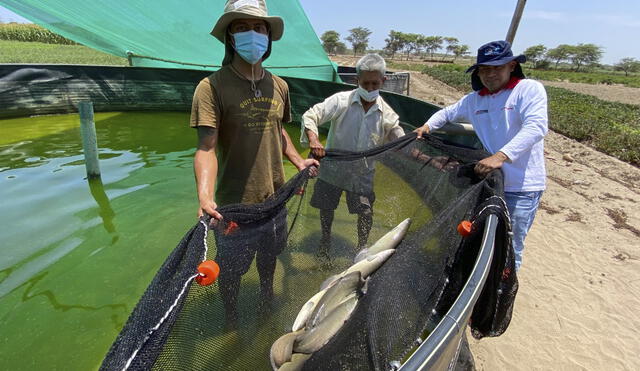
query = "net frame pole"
x=89 y=139
x=515 y=21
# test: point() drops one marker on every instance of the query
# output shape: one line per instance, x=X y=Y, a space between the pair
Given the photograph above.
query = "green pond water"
x=76 y=255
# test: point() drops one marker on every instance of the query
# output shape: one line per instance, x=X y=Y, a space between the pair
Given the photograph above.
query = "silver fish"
x=365 y=266
x=329 y=281
x=282 y=349
x=316 y=337
x=389 y=241
x=336 y=294
x=307 y=309
x=296 y=363
x=370 y=264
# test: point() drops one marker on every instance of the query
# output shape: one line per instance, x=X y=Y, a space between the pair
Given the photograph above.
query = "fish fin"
x=329 y=281
x=362 y=254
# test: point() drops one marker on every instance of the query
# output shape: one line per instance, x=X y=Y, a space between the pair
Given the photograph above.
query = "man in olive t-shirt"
x=250 y=139
x=238 y=112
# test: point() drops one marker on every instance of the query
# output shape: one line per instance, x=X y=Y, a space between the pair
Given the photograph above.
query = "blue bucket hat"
x=495 y=53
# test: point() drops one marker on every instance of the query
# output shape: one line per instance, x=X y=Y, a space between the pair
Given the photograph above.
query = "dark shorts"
x=326 y=196
x=236 y=250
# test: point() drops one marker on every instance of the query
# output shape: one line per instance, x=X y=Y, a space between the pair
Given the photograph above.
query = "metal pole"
x=89 y=141
x=515 y=21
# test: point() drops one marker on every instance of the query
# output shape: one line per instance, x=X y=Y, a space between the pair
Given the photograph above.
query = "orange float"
x=464 y=228
x=231 y=227
x=209 y=271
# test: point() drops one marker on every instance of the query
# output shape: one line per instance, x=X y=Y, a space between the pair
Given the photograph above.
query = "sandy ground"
x=580 y=279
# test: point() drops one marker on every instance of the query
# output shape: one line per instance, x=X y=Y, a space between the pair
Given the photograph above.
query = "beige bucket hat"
x=243 y=9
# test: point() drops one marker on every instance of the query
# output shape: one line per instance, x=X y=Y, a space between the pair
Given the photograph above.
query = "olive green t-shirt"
x=250 y=142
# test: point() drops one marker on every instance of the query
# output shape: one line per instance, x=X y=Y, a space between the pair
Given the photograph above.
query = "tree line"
x=397 y=42
x=581 y=56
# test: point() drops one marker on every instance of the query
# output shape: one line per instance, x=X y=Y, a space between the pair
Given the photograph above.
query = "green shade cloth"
x=175 y=34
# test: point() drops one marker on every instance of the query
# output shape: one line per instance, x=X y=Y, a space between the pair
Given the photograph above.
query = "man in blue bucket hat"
x=509 y=114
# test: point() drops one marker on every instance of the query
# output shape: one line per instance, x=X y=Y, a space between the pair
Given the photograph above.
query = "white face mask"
x=368 y=96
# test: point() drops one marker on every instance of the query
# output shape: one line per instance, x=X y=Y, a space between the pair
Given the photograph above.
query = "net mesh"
x=181 y=325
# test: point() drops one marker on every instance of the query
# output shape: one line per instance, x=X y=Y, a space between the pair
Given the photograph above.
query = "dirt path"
x=580 y=279
x=578 y=300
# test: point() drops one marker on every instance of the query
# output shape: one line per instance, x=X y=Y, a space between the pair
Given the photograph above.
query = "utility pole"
x=515 y=21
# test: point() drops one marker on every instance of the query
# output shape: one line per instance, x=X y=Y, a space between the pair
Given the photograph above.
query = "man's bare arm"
x=292 y=154
x=205 y=166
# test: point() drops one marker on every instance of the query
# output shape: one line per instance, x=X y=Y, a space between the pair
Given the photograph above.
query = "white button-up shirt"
x=352 y=129
x=512 y=121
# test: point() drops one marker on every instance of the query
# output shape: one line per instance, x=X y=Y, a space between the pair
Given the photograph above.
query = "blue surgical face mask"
x=251 y=45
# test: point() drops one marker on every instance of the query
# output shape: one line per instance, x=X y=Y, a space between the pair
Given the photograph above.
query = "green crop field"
x=31 y=32
x=37 y=52
x=613 y=128
x=633 y=80
x=30 y=43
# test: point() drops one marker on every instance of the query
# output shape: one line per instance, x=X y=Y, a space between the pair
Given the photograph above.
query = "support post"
x=89 y=141
x=515 y=21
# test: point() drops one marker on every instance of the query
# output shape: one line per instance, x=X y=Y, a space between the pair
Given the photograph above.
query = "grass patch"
x=37 y=52
x=613 y=128
x=399 y=66
x=451 y=74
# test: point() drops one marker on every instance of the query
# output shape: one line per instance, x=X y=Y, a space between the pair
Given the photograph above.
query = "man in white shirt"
x=359 y=120
x=509 y=115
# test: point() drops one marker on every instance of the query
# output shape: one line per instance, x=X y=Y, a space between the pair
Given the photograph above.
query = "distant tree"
x=330 y=40
x=627 y=65
x=421 y=43
x=459 y=51
x=585 y=55
x=395 y=42
x=535 y=54
x=359 y=39
x=452 y=43
x=410 y=43
x=560 y=53
x=433 y=44
x=341 y=48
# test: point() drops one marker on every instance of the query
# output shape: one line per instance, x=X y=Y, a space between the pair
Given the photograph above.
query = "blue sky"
x=611 y=24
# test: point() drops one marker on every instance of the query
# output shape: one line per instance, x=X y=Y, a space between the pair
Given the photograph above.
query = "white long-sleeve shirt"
x=352 y=129
x=512 y=121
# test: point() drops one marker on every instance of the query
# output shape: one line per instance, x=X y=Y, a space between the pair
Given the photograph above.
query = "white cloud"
x=547 y=16
x=616 y=20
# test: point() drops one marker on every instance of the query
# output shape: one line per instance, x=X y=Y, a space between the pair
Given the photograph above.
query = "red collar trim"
x=510 y=85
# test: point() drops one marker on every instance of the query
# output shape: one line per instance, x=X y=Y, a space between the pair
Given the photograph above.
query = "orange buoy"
x=209 y=271
x=464 y=228
x=231 y=227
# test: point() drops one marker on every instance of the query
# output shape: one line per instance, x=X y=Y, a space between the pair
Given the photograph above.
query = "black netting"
x=429 y=181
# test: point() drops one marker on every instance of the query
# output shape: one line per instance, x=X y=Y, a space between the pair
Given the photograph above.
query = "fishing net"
x=181 y=325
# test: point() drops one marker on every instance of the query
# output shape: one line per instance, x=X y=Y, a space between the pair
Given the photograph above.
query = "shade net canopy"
x=174 y=34
x=179 y=324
